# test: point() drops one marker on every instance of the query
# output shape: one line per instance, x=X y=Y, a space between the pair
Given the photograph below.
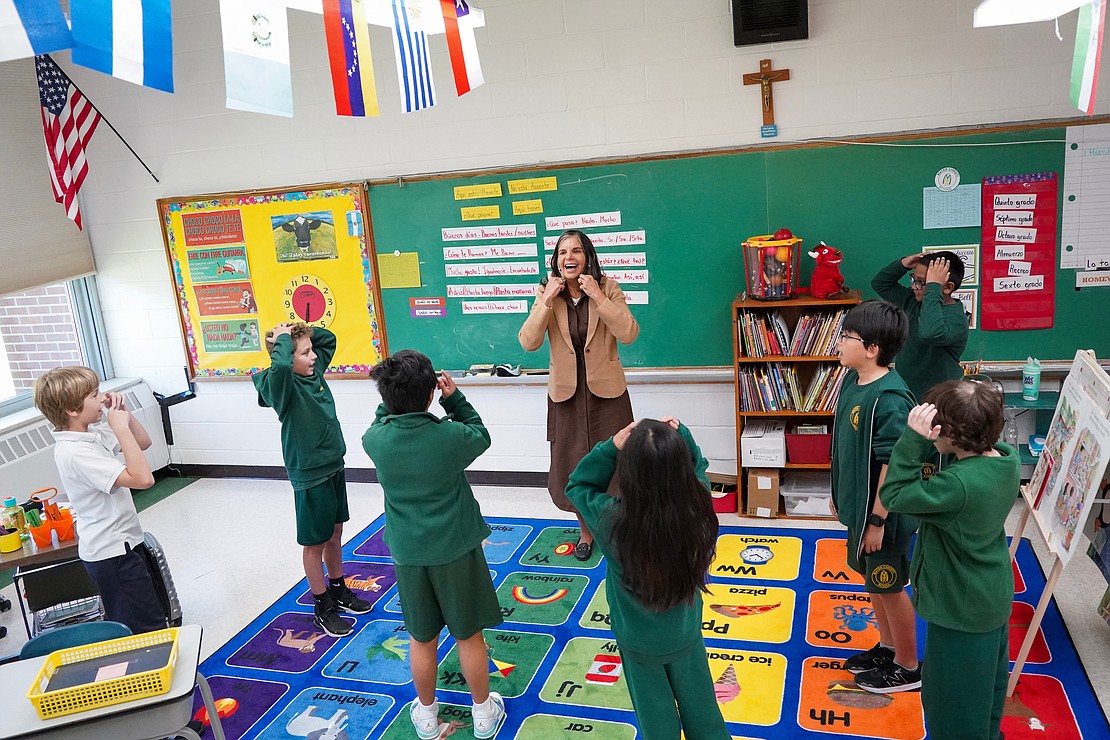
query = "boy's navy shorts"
x=458 y=595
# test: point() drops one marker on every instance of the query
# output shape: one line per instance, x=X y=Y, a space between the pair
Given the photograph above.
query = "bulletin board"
x=244 y=262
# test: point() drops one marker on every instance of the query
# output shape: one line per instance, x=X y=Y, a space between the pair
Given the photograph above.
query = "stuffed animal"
x=826 y=281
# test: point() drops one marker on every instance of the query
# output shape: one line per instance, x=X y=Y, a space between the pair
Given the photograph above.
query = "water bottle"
x=13 y=518
x=1010 y=432
x=1031 y=379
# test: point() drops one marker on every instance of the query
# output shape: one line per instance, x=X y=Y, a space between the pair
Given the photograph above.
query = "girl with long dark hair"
x=658 y=537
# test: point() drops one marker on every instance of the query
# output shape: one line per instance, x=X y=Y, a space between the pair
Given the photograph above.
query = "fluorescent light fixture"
x=1009 y=12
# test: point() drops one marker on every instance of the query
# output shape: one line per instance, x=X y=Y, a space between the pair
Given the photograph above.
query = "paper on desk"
x=115 y=670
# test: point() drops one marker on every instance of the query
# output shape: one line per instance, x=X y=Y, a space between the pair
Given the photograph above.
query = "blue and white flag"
x=256 y=56
x=410 y=47
x=30 y=27
x=128 y=39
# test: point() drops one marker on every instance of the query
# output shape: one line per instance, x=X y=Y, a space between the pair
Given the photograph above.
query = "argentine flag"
x=32 y=27
x=128 y=39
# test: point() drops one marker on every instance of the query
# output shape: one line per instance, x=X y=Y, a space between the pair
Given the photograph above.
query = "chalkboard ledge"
x=646 y=376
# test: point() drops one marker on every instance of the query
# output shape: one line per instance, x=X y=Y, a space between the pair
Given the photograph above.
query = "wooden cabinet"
x=785 y=364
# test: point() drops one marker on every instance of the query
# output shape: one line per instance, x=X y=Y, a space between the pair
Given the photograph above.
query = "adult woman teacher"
x=584 y=315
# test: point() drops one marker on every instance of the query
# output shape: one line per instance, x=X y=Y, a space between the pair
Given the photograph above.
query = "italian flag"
x=1088 y=55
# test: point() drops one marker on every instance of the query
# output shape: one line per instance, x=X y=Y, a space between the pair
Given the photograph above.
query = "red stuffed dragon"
x=826 y=281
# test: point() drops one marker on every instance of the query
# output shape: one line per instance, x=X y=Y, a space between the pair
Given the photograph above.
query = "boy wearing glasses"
x=962 y=577
x=938 y=324
x=871 y=413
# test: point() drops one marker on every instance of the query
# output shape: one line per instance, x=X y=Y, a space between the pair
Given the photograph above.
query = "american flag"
x=68 y=122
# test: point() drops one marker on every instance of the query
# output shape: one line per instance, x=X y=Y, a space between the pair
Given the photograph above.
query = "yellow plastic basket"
x=103 y=693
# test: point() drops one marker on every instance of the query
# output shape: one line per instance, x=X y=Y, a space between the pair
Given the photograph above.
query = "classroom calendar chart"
x=1018 y=252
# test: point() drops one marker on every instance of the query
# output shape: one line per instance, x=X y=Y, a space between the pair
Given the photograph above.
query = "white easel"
x=1088 y=384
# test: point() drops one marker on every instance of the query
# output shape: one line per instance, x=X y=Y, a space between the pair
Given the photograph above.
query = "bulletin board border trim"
x=167 y=206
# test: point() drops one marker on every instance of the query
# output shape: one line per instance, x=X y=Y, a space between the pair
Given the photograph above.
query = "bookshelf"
x=785 y=364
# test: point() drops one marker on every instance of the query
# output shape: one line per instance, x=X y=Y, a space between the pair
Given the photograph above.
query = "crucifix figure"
x=764 y=78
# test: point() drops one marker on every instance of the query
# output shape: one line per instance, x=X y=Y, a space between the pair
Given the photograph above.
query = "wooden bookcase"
x=791 y=311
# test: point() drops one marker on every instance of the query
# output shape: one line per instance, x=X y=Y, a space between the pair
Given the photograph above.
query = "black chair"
x=57 y=595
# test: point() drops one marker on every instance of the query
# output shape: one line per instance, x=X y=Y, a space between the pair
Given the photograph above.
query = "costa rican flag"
x=352 y=70
x=410 y=47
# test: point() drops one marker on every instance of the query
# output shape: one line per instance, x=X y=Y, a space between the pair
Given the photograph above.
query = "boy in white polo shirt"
x=110 y=539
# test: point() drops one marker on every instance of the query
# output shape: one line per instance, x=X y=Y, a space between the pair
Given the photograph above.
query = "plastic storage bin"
x=808 y=449
x=807 y=494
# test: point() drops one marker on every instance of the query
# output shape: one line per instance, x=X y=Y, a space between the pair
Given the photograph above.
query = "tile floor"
x=231 y=546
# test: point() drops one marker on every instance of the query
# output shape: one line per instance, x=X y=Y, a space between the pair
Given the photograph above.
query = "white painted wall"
x=566 y=80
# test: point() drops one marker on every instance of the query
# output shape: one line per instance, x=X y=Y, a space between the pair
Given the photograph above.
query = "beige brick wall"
x=39 y=332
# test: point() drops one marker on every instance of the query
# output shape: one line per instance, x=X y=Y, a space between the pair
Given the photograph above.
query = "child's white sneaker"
x=488 y=716
x=425 y=719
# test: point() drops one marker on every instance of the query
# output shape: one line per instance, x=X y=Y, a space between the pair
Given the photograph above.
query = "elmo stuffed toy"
x=826 y=281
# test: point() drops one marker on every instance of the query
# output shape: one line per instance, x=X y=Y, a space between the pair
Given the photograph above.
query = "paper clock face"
x=307 y=298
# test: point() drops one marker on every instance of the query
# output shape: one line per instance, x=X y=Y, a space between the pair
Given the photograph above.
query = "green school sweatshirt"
x=961 y=573
x=311 y=439
x=431 y=517
x=648 y=635
x=938 y=332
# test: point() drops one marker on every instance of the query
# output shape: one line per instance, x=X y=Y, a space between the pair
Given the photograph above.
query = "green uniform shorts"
x=458 y=595
x=887 y=570
x=319 y=508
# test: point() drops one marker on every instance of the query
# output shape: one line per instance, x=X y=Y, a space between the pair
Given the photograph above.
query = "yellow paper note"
x=532 y=185
x=480 y=213
x=524 y=207
x=399 y=270
x=485 y=190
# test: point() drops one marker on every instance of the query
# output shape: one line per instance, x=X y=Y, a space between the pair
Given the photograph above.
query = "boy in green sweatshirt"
x=313 y=448
x=961 y=572
x=434 y=530
x=938 y=323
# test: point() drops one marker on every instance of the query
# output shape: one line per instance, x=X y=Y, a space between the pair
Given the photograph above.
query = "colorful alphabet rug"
x=782 y=616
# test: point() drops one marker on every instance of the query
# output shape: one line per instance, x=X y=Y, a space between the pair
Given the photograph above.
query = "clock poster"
x=243 y=263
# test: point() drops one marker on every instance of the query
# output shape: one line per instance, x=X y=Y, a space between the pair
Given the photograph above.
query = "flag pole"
x=105 y=119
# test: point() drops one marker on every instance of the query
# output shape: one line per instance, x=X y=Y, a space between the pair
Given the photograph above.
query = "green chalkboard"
x=695 y=210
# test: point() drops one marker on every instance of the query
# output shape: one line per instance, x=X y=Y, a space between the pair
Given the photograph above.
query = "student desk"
x=32 y=554
x=152 y=718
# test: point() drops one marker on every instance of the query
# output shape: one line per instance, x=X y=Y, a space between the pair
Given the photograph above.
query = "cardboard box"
x=808 y=448
x=762 y=493
x=763 y=444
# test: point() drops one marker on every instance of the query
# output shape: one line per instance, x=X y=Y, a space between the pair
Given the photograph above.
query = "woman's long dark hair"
x=665 y=530
x=593 y=264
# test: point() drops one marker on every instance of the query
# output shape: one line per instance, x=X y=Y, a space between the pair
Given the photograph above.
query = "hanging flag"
x=128 y=39
x=1088 y=55
x=256 y=56
x=30 y=27
x=461 y=46
x=68 y=122
x=410 y=47
x=352 y=69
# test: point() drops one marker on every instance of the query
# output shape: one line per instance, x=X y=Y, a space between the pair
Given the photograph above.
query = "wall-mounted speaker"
x=767 y=21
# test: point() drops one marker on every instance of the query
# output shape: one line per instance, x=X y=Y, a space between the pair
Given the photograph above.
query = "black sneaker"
x=869 y=660
x=327 y=618
x=347 y=601
x=890 y=679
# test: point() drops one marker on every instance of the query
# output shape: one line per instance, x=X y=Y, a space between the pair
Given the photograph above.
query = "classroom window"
x=47 y=327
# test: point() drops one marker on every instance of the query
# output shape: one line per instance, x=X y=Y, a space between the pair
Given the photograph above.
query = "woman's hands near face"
x=553 y=288
x=590 y=287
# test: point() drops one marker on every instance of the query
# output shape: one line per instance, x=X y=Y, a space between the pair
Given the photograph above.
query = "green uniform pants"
x=656 y=687
x=963 y=682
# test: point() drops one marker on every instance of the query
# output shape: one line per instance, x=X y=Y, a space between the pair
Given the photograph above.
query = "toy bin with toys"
x=771 y=265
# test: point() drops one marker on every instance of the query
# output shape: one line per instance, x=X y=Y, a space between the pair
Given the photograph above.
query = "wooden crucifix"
x=765 y=77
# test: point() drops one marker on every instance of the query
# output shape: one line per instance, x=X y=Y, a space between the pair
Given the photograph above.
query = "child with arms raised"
x=870 y=416
x=658 y=539
x=962 y=577
x=434 y=530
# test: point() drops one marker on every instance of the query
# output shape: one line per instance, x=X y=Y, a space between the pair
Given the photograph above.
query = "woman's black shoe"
x=583 y=550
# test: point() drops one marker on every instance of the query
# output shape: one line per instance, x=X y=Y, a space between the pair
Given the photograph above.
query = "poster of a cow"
x=301 y=237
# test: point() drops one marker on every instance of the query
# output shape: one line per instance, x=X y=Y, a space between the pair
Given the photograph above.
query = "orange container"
x=42 y=534
x=64 y=526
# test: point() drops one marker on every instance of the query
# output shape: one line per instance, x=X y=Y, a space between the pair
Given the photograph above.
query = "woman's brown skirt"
x=574 y=426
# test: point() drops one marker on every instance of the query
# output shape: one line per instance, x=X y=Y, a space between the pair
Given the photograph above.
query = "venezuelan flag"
x=352 y=70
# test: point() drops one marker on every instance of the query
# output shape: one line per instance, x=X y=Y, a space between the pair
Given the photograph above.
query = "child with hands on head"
x=659 y=537
x=961 y=571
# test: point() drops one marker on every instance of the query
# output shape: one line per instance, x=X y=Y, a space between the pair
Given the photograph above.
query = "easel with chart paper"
x=1067 y=478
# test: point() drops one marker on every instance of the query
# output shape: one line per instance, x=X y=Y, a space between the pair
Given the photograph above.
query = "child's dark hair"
x=881 y=324
x=969 y=413
x=955 y=265
x=593 y=264
x=406 y=380
x=664 y=529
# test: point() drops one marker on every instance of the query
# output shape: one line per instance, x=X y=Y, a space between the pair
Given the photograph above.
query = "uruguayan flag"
x=410 y=47
x=128 y=39
x=32 y=27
